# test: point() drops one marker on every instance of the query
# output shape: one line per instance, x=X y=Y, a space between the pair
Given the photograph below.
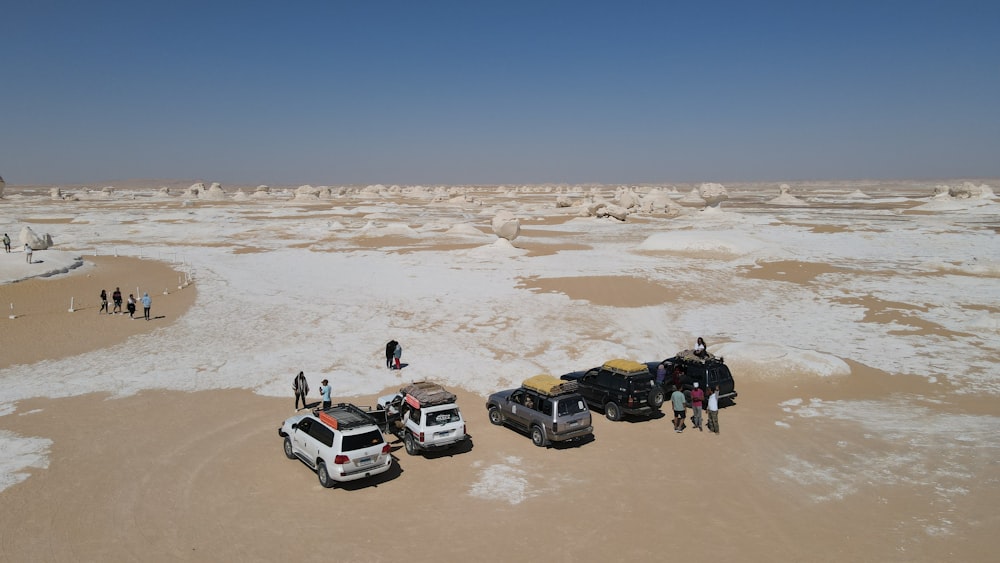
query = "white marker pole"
x=165 y=292
x=179 y=283
x=116 y=252
x=12 y=315
x=71 y=305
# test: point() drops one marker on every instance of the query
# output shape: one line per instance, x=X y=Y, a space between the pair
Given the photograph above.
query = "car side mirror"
x=295 y=426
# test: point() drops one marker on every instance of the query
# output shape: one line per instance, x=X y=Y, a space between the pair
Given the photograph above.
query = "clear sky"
x=478 y=92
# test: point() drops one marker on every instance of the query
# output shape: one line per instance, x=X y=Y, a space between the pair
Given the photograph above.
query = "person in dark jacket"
x=390 y=349
x=301 y=388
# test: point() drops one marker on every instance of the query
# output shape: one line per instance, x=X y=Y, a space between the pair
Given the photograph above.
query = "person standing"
x=28 y=252
x=324 y=391
x=117 y=298
x=390 y=350
x=104 y=302
x=397 y=353
x=713 y=410
x=661 y=375
x=301 y=388
x=146 y=304
x=131 y=306
x=6 y=242
x=697 y=396
x=680 y=410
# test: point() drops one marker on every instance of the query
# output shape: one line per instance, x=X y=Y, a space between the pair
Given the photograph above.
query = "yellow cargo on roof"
x=625 y=366
x=544 y=383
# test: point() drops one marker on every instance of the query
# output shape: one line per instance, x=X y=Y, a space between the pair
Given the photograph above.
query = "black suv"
x=708 y=372
x=619 y=387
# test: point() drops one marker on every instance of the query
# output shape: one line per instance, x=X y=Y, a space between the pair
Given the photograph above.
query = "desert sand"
x=154 y=441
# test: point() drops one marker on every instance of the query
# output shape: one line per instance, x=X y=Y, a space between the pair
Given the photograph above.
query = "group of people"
x=116 y=298
x=393 y=351
x=679 y=403
x=300 y=386
x=28 y=251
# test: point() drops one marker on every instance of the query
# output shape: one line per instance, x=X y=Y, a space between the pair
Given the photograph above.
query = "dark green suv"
x=619 y=387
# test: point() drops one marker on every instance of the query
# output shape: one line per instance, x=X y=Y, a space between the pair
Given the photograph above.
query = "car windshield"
x=361 y=441
x=441 y=418
x=571 y=405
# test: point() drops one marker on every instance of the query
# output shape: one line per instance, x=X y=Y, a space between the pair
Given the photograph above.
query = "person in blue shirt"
x=146 y=304
x=324 y=390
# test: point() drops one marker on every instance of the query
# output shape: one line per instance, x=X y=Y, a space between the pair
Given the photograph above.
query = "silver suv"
x=341 y=443
x=545 y=407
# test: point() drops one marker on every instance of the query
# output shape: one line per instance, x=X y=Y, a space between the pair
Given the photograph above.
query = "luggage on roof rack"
x=427 y=394
x=549 y=385
x=625 y=367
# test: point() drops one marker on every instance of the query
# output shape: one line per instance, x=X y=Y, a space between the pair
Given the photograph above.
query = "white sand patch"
x=14 y=266
x=465 y=229
x=781 y=424
x=18 y=453
x=763 y=360
x=714 y=243
x=505 y=482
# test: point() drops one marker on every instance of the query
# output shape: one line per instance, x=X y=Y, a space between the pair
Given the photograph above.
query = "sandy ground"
x=165 y=476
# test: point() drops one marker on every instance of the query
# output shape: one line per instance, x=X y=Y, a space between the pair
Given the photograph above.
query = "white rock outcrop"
x=612 y=210
x=564 y=201
x=628 y=199
x=786 y=198
x=506 y=225
x=214 y=193
x=55 y=193
x=194 y=190
x=3 y=187
x=35 y=241
x=692 y=199
x=713 y=194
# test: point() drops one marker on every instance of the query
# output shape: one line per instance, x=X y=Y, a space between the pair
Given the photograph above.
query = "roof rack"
x=549 y=385
x=426 y=394
x=344 y=416
x=625 y=367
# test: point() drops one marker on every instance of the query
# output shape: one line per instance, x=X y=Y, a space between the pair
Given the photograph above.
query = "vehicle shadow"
x=634 y=418
x=392 y=474
x=464 y=447
x=573 y=443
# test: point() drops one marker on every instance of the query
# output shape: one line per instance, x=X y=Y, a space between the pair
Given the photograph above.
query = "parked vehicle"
x=424 y=416
x=341 y=443
x=548 y=409
x=708 y=372
x=620 y=387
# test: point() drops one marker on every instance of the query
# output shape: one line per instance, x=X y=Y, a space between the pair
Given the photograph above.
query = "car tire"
x=289 y=451
x=323 y=475
x=496 y=417
x=408 y=444
x=656 y=397
x=612 y=411
x=537 y=436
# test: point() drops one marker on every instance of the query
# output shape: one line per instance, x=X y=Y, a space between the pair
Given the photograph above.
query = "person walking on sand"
x=104 y=302
x=697 y=397
x=713 y=410
x=301 y=388
x=131 y=306
x=117 y=298
x=390 y=349
x=6 y=242
x=146 y=304
x=680 y=410
x=397 y=353
x=28 y=252
x=324 y=391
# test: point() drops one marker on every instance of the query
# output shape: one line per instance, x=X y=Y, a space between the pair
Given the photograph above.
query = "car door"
x=304 y=444
x=516 y=411
x=590 y=388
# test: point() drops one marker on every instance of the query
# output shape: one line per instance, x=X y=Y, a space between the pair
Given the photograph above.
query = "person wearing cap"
x=697 y=396
x=324 y=391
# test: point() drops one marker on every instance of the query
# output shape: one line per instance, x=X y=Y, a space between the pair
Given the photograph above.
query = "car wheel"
x=496 y=417
x=656 y=398
x=324 y=475
x=408 y=443
x=289 y=452
x=612 y=411
x=537 y=436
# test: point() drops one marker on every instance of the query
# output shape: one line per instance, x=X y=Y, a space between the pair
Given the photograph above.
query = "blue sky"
x=466 y=92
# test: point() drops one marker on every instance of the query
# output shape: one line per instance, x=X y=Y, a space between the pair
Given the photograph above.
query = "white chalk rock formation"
x=506 y=226
x=214 y=192
x=55 y=193
x=36 y=242
x=713 y=194
x=965 y=191
x=692 y=199
x=627 y=199
x=612 y=210
x=563 y=201
x=194 y=190
x=3 y=187
x=858 y=194
x=240 y=195
x=163 y=192
x=261 y=192
x=306 y=193
x=656 y=201
x=786 y=198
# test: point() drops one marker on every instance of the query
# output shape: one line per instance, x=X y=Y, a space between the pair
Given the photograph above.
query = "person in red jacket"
x=697 y=398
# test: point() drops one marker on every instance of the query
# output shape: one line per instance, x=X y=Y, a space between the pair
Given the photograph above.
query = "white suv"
x=425 y=416
x=341 y=443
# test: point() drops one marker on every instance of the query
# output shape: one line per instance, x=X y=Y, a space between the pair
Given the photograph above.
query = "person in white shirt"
x=713 y=410
x=699 y=348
